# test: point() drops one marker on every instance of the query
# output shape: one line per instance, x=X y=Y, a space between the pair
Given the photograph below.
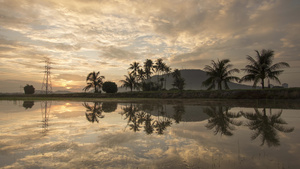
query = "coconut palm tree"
x=94 y=80
x=266 y=126
x=261 y=68
x=135 y=66
x=167 y=70
x=141 y=75
x=219 y=74
x=159 y=67
x=179 y=81
x=130 y=82
x=148 y=67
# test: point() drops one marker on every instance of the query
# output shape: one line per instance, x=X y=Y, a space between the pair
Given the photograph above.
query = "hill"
x=193 y=80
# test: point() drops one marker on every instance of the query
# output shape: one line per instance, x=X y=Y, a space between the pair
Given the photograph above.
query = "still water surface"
x=60 y=134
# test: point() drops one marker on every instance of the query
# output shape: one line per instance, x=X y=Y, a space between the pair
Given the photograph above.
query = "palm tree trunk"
x=96 y=90
x=263 y=83
x=220 y=86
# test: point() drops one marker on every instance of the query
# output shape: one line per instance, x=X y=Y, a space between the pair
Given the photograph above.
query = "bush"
x=29 y=89
x=150 y=86
x=110 y=87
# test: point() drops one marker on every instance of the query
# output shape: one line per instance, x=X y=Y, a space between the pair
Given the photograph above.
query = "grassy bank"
x=290 y=93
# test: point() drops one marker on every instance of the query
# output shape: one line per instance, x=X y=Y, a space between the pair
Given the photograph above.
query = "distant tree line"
x=220 y=73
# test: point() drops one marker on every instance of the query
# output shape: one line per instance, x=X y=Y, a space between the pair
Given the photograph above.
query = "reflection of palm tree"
x=96 y=112
x=136 y=118
x=178 y=112
x=148 y=128
x=129 y=112
x=161 y=125
x=267 y=126
x=222 y=120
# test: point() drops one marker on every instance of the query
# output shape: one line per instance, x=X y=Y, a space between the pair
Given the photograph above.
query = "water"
x=150 y=134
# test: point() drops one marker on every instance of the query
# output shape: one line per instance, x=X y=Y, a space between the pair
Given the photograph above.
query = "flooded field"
x=61 y=134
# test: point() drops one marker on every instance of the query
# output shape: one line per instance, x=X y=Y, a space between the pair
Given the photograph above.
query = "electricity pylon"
x=47 y=86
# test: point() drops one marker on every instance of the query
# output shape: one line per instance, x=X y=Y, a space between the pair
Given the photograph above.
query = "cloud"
x=113 y=53
x=81 y=35
x=72 y=77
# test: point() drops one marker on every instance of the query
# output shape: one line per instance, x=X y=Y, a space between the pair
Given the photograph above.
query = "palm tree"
x=219 y=73
x=141 y=75
x=135 y=66
x=167 y=70
x=222 y=120
x=130 y=82
x=94 y=80
x=261 y=68
x=266 y=126
x=179 y=82
x=159 y=67
x=148 y=66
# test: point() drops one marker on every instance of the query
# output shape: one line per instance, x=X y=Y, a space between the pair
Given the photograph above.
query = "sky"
x=81 y=36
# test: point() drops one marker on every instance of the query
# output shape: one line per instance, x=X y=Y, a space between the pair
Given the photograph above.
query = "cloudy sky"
x=81 y=36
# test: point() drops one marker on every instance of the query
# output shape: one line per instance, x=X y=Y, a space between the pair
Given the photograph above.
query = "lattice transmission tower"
x=47 y=85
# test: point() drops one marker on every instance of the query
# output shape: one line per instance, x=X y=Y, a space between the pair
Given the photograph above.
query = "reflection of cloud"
x=73 y=142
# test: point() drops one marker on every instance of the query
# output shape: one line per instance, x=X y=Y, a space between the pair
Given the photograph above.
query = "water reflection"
x=179 y=110
x=93 y=112
x=267 y=126
x=109 y=107
x=28 y=104
x=136 y=118
x=186 y=142
x=45 y=109
x=222 y=120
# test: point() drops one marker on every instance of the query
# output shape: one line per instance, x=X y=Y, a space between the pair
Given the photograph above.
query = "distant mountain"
x=194 y=78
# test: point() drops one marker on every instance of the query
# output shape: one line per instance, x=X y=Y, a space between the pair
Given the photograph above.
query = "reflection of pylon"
x=45 y=108
x=47 y=77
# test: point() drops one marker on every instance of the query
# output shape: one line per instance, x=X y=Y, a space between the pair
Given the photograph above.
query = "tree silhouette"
x=261 y=68
x=167 y=70
x=266 y=126
x=221 y=120
x=148 y=67
x=219 y=74
x=93 y=112
x=29 y=89
x=94 y=80
x=179 y=82
x=130 y=82
x=135 y=67
x=110 y=87
x=159 y=67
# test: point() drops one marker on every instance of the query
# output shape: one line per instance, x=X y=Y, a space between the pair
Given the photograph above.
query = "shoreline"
x=290 y=93
x=286 y=98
